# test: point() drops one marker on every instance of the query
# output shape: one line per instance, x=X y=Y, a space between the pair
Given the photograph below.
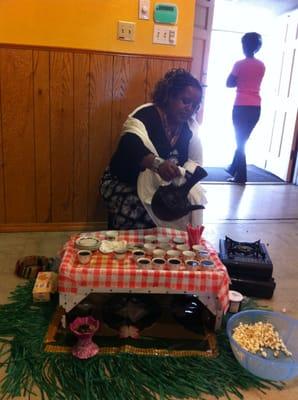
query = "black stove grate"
x=244 y=249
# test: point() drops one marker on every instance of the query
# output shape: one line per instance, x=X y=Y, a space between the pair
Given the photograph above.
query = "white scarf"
x=149 y=181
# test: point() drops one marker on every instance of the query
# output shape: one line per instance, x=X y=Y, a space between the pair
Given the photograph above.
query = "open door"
x=201 y=42
x=282 y=153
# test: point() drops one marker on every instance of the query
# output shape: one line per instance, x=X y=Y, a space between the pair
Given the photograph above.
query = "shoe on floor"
x=233 y=180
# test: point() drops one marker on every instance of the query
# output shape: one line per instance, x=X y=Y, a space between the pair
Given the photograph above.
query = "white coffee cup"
x=120 y=254
x=149 y=247
x=235 y=299
x=192 y=265
x=198 y=247
x=138 y=253
x=188 y=255
x=111 y=235
x=182 y=247
x=174 y=263
x=150 y=239
x=173 y=253
x=84 y=256
x=158 y=263
x=144 y=263
x=165 y=246
x=178 y=240
x=207 y=264
x=159 y=253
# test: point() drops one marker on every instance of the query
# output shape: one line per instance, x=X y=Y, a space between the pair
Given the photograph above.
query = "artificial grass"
x=30 y=370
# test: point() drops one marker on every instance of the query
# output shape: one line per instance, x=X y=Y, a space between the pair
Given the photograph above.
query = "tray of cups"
x=165 y=253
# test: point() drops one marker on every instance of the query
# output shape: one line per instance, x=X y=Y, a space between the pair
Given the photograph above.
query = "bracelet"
x=157 y=161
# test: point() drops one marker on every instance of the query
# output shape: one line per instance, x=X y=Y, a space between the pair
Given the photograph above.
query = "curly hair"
x=174 y=82
x=251 y=42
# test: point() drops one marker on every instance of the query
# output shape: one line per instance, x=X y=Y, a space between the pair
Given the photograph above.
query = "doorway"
x=231 y=20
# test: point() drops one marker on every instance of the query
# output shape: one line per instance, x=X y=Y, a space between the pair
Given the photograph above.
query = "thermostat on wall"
x=165 y=13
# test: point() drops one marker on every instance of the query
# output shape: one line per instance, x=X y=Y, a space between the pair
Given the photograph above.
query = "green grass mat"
x=29 y=370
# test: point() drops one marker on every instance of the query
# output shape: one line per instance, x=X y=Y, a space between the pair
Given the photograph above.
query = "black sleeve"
x=125 y=163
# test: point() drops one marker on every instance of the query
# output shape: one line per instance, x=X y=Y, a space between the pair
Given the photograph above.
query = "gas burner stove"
x=249 y=267
x=244 y=249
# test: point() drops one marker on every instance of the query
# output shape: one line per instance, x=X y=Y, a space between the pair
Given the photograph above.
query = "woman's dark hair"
x=251 y=42
x=174 y=82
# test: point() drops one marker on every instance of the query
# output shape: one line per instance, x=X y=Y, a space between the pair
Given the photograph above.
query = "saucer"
x=87 y=243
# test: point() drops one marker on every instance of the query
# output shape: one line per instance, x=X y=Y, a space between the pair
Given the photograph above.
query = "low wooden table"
x=105 y=274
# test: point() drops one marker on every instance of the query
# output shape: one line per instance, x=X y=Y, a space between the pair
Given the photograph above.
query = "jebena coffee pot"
x=170 y=202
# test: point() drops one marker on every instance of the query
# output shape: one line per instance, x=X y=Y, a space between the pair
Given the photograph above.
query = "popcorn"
x=258 y=337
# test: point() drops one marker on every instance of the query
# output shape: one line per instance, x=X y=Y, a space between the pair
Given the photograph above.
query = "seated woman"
x=157 y=139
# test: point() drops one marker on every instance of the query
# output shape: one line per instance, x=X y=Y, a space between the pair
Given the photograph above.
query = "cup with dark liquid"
x=144 y=263
x=158 y=263
x=138 y=253
x=174 y=263
x=192 y=265
x=84 y=256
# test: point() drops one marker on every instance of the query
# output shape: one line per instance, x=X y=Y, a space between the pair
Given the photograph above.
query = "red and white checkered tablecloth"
x=104 y=271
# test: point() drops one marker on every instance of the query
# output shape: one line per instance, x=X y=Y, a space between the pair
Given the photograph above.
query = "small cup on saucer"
x=84 y=256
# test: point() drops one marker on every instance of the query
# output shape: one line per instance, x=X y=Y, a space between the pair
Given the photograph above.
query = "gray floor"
x=266 y=212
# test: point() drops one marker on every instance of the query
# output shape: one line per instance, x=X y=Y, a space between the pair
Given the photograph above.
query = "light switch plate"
x=126 y=30
x=144 y=9
x=165 y=34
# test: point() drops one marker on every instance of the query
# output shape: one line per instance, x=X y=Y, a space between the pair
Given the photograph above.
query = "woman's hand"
x=168 y=170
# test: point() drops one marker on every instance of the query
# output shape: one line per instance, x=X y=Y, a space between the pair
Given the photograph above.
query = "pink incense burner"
x=84 y=328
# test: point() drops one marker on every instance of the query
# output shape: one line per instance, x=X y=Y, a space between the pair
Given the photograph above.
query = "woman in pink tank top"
x=246 y=76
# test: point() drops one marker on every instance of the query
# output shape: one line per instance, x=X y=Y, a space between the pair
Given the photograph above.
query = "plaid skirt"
x=125 y=209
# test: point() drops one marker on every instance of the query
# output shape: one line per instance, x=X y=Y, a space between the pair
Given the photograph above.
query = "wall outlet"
x=126 y=30
x=165 y=34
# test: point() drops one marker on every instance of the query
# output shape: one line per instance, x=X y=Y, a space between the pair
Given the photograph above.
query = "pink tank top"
x=249 y=73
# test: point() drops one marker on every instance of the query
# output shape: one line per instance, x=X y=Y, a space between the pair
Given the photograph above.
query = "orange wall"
x=89 y=24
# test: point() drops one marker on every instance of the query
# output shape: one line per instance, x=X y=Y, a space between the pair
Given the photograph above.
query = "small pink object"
x=84 y=328
x=129 y=331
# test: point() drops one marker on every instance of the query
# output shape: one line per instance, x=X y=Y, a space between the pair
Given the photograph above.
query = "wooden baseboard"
x=54 y=227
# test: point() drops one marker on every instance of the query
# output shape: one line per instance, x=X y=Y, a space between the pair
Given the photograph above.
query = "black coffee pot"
x=170 y=202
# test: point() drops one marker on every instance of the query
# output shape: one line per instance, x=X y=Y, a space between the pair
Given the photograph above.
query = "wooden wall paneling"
x=129 y=90
x=81 y=135
x=18 y=135
x=62 y=132
x=157 y=69
x=2 y=196
x=100 y=114
x=41 y=92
